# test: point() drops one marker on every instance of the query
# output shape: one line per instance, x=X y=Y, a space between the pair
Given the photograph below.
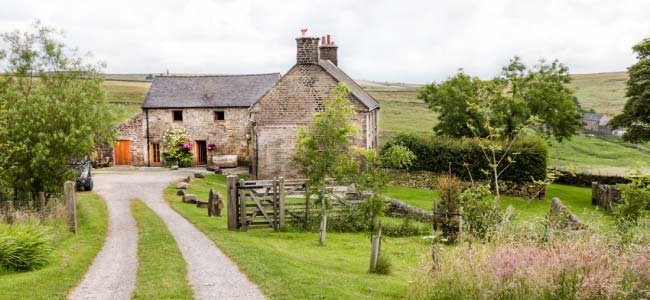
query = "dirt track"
x=112 y=275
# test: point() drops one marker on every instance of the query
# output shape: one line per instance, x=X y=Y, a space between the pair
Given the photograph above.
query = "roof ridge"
x=216 y=75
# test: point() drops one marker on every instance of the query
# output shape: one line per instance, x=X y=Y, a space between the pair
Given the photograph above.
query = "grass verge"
x=162 y=271
x=291 y=265
x=70 y=258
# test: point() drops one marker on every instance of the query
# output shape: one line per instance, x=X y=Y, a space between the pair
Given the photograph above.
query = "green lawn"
x=291 y=265
x=162 y=272
x=70 y=259
x=578 y=199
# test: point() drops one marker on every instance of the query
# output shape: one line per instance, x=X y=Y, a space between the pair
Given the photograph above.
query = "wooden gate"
x=122 y=152
x=271 y=203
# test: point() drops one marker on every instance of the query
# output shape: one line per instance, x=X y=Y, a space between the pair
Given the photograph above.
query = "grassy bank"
x=162 y=271
x=578 y=199
x=291 y=265
x=70 y=259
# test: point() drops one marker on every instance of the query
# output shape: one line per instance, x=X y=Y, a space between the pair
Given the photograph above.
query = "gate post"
x=242 y=207
x=231 y=185
x=281 y=200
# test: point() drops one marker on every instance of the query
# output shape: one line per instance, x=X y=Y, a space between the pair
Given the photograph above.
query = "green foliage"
x=177 y=147
x=636 y=198
x=447 y=210
x=450 y=99
x=397 y=157
x=23 y=247
x=52 y=111
x=481 y=212
x=323 y=149
x=439 y=154
x=636 y=113
x=518 y=94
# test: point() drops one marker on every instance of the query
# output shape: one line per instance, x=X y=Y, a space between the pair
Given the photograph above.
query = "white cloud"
x=409 y=41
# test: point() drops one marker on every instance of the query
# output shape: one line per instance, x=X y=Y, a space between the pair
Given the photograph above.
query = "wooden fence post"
x=281 y=201
x=594 y=193
x=231 y=184
x=69 y=194
x=323 y=222
x=242 y=207
x=41 y=198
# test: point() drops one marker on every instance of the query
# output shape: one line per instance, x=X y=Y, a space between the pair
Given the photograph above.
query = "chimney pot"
x=328 y=51
x=322 y=41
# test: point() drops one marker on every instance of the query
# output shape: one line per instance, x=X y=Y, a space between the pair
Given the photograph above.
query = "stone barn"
x=254 y=117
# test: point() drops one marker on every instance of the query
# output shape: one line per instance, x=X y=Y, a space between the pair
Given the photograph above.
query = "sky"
x=415 y=41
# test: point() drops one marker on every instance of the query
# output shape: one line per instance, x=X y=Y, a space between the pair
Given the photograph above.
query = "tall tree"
x=636 y=113
x=53 y=110
x=324 y=150
x=540 y=92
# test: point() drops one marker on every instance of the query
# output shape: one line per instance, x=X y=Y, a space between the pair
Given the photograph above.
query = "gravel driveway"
x=112 y=275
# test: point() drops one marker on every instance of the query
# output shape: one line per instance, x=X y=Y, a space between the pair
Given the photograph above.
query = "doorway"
x=122 y=151
x=201 y=153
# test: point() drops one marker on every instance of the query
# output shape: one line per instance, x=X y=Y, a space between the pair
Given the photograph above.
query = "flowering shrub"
x=177 y=147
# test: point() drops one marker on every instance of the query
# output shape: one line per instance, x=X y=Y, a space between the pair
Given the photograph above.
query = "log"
x=401 y=208
x=201 y=204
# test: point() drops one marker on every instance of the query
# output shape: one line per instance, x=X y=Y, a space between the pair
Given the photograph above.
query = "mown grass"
x=291 y=265
x=577 y=199
x=162 y=271
x=71 y=257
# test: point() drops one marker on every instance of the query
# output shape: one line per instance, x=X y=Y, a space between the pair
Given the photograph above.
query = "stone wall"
x=585 y=179
x=605 y=195
x=229 y=135
x=134 y=130
x=290 y=104
x=426 y=180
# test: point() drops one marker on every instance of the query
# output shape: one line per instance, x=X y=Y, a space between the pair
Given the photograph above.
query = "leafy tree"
x=52 y=111
x=520 y=93
x=636 y=113
x=450 y=100
x=323 y=149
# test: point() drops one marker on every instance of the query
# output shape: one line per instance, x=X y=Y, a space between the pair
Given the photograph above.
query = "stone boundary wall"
x=606 y=196
x=426 y=180
x=585 y=179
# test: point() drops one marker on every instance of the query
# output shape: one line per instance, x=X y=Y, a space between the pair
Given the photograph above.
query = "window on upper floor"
x=177 y=116
x=219 y=115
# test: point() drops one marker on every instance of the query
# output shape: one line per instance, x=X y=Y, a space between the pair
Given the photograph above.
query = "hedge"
x=438 y=154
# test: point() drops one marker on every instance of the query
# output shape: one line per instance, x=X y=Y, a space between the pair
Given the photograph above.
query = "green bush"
x=23 y=247
x=438 y=154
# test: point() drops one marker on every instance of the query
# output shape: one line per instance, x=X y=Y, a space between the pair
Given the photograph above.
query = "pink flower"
x=212 y=146
x=187 y=146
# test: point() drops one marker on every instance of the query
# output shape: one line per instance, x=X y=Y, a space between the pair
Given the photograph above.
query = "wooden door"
x=122 y=151
x=201 y=153
x=155 y=154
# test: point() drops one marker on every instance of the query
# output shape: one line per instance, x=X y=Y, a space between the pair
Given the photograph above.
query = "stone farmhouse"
x=254 y=117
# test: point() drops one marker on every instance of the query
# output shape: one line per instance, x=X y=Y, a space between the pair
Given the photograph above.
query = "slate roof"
x=356 y=90
x=592 y=116
x=208 y=91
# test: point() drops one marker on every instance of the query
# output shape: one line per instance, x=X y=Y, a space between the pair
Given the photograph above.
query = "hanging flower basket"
x=212 y=147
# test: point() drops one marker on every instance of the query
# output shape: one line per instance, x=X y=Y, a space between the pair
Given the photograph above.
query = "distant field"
x=604 y=92
x=401 y=111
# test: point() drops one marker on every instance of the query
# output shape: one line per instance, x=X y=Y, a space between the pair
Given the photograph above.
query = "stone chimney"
x=307 y=52
x=328 y=50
